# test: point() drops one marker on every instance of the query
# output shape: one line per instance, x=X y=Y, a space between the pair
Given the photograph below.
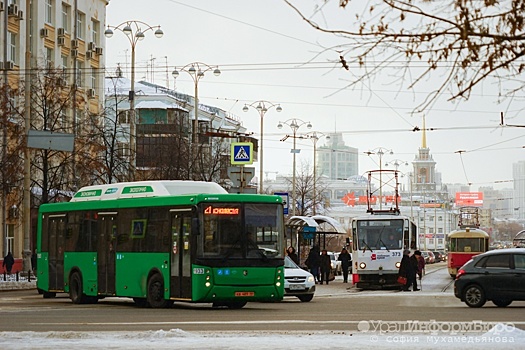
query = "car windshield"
x=289 y=264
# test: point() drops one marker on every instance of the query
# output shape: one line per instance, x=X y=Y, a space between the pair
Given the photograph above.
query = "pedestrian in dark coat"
x=8 y=263
x=346 y=262
x=313 y=262
x=292 y=254
x=407 y=270
x=326 y=266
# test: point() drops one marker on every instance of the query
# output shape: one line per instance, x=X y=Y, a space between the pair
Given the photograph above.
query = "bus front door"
x=180 y=279
x=56 y=231
x=107 y=224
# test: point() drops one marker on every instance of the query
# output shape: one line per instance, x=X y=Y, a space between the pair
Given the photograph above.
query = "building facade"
x=48 y=39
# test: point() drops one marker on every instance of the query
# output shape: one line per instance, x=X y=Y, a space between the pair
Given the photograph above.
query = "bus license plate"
x=244 y=294
x=297 y=287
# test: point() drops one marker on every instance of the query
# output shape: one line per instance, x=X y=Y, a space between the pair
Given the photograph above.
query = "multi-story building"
x=337 y=161
x=40 y=37
x=163 y=130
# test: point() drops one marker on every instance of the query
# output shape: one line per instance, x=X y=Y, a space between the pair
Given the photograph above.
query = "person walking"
x=313 y=262
x=407 y=270
x=346 y=262
x=292 y=254
x=420 y=264
x=415 y=267
x=8 y=263
x=326 y=266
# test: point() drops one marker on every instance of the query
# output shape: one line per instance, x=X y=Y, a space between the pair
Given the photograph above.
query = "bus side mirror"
x=195 y=227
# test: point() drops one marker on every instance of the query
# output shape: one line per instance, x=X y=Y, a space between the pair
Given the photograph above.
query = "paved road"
x=337 y=306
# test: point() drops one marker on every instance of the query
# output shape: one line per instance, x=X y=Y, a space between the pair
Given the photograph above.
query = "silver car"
x=298 y=282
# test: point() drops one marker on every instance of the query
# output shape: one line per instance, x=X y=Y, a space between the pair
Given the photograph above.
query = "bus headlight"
x=398 y=264
x=362 y=265
x=207 y=284
x=278 y=284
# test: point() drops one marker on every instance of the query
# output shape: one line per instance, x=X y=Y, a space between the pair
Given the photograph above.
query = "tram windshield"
x=380 y=234
x=467 y=245
x=241 y=231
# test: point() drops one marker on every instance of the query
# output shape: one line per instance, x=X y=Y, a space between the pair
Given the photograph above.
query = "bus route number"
x=198 y=271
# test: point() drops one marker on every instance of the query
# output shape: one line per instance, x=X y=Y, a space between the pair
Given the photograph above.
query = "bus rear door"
x=107 y=224
x=180 y=278
x=56 y=234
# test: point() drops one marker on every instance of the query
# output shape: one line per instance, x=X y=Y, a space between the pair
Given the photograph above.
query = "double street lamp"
x=315 y=136
x=380 y=151
x=135 y=32
x=196 y=70
x=294 y=124
x=262 y=107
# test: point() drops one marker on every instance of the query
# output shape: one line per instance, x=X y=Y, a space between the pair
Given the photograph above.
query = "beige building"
x=61 y=34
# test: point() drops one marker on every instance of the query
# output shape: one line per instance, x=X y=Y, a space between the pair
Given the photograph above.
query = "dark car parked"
x=438 y=256
x=497 y=275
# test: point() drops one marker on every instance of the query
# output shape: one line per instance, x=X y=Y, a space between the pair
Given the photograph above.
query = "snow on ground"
x=178 y=339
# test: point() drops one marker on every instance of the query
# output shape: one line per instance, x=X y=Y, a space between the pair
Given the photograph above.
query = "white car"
x=298 y=282
x=337 y=269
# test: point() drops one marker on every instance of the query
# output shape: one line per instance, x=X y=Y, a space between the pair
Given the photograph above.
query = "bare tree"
x=463 y=41
x=108 y=127
x=304 y=190
x=58 y=173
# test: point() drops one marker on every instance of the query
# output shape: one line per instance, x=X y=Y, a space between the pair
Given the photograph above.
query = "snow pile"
x=509 y=338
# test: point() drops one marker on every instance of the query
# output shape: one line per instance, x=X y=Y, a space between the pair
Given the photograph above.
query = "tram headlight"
x=398 y=264
x=207 y=284
x=362 y=265
x=278 y=284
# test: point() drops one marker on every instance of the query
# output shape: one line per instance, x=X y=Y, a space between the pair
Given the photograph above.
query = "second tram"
x=467 y=241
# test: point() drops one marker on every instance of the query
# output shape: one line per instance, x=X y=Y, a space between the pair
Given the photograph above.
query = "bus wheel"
x=156 y=292
x=236 y=304
x=49 y=295
x=76 y=293
x=141 y=302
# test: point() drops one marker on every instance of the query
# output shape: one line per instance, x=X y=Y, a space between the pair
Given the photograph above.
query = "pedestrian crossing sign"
x=242 y=153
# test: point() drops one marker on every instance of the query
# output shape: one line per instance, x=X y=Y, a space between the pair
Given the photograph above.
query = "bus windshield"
x=247 y=231
x=379 y=234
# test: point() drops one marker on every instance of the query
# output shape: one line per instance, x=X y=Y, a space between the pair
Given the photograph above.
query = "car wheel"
x=155 y=295
x=474 y=296
x=306 y=298
x=502 y=302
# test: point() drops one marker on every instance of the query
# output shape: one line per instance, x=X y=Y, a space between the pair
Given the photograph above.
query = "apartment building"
x=65 y=36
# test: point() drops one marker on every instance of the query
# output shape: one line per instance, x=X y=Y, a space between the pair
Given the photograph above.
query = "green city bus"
x=162 y=241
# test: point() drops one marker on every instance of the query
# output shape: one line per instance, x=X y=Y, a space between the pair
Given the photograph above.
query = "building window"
x=49 y=12
x=66 y=10
x=440 y=218
x=95 y=29
x=123 y=149
x=11 y=47
x=49 y=62
x=440 y=229
x=10 y=237
x=81 y=20
x=123 y=116
x=79 y=73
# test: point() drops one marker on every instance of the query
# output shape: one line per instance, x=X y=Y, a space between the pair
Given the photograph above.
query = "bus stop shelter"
x=306 y=231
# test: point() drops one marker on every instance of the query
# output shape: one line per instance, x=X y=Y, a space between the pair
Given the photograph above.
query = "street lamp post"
x=262 y=107
x=380 y=151
x=315 y=136
x=196 y=70
x=135 y=32
x=294 y=124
